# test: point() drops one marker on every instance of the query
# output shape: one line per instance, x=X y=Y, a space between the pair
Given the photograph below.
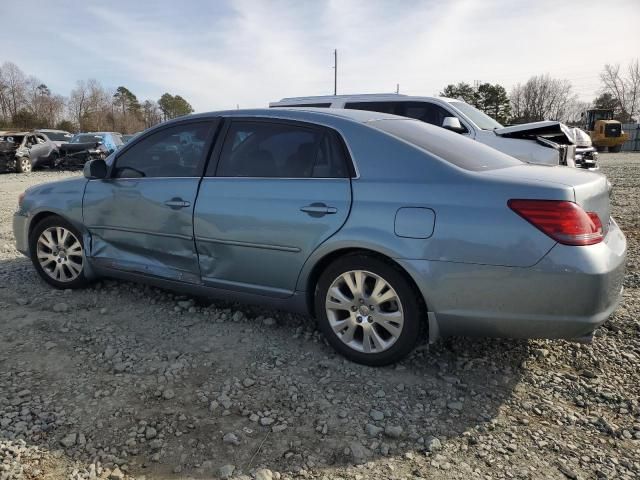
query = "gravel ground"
x=123 y=380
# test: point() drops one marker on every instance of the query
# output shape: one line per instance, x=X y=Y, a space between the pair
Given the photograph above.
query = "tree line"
x=27 y=103
x=542 y=97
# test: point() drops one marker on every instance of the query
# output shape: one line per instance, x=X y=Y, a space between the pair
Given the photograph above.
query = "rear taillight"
x=565 y=222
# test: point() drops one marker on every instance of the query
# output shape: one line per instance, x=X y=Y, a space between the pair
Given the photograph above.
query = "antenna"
x=397 y=88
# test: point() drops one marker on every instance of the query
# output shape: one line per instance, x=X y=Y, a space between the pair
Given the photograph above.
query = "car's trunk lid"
x=547 y=129
x=591 y=190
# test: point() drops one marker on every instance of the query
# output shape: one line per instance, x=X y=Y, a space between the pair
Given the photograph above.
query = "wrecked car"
x=548 y=142
x=23 y=151
x=59 y=137
x=87 y=146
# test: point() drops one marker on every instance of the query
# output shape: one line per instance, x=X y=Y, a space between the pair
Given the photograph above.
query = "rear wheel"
x=615 y=149
x=368 y=310
x=23 y=164
x=57 y=253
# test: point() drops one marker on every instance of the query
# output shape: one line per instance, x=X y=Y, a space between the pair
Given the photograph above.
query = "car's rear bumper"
x=568 y=294
x=21 y=232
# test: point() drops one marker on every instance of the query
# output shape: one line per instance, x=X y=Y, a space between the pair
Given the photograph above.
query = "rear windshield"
x=452 y=147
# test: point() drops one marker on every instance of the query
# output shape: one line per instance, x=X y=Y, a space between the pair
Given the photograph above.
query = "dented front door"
x=141 y=218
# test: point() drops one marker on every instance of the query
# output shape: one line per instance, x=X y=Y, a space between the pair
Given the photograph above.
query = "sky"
x=220 y=54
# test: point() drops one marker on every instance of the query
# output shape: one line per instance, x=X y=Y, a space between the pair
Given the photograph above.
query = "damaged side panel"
x=134 y=228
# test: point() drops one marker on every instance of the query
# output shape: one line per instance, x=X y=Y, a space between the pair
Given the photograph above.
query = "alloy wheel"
x=60 y=254
x=364 y=311
x=25 y=164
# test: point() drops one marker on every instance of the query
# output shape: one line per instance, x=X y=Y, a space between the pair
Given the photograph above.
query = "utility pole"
x=335 y=71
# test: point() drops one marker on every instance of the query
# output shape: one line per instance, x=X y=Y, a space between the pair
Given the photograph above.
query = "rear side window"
x=280 y=150
x=452 y=147
x=382 y=107
x=171 y=152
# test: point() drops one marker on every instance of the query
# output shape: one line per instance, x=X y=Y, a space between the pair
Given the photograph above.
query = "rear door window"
x=280 y=150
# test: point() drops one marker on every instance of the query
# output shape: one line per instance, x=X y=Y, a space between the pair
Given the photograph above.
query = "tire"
x=58 y=257
x=23 y=164
x=350 y=317
x=600 y=149
x=615 y=149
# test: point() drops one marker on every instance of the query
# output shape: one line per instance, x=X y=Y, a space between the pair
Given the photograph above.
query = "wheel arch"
x=322 y=263
x=41 y=215
x=38 y=217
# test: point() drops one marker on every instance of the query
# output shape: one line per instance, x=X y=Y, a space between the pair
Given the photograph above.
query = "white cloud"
x=249 y=52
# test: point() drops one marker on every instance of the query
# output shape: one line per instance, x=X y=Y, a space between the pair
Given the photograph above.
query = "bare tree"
x=14 y=88
x=77 y=104
x=541 y=98
x=624 y=89
x=151 y=113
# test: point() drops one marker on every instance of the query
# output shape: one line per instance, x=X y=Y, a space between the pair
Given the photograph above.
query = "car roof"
x=295 y=113
x=371 y=97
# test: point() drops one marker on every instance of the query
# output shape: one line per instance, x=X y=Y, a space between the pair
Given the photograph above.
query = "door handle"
x=177 y=203
x=319 y=210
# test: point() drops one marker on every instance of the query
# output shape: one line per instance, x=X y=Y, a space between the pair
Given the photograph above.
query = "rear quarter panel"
x=473 y=223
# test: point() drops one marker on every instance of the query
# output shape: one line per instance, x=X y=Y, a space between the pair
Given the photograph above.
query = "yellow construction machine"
x=605 y=132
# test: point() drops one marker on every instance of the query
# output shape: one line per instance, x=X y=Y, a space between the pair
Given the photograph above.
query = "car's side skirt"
x=295 y=303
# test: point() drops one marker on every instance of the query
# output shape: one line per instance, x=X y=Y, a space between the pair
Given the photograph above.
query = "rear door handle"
x=177 y=203
x=319 y=210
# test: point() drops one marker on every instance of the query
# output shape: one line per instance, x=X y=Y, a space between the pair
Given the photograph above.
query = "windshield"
x=58 y=136
x=117 y=139
x=86 y=139
x=481 y=119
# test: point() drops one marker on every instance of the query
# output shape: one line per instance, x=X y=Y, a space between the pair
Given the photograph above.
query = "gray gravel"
x=127 y=381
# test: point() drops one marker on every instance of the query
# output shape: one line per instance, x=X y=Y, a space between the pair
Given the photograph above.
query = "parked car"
x=548 y=142
x=23 y=151
x=381 y=227
x=129 y=136
x=86 y=146
x=59 y=137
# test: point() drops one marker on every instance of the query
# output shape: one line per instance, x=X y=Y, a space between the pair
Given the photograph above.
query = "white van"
x=548 y=142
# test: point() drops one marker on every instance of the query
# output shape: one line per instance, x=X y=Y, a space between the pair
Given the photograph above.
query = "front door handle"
x=176 y=203
x=319 y=210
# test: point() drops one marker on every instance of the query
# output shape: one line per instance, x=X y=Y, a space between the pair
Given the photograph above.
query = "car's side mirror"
x=95 y=169
x=453 y=124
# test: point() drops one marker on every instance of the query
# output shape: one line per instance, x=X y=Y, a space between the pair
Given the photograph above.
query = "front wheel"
x=368 y=310
x=23 y=164
x=615 y=149
x=57 y=253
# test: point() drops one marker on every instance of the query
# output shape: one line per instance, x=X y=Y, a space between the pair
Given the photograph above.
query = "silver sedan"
x=383 y=228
